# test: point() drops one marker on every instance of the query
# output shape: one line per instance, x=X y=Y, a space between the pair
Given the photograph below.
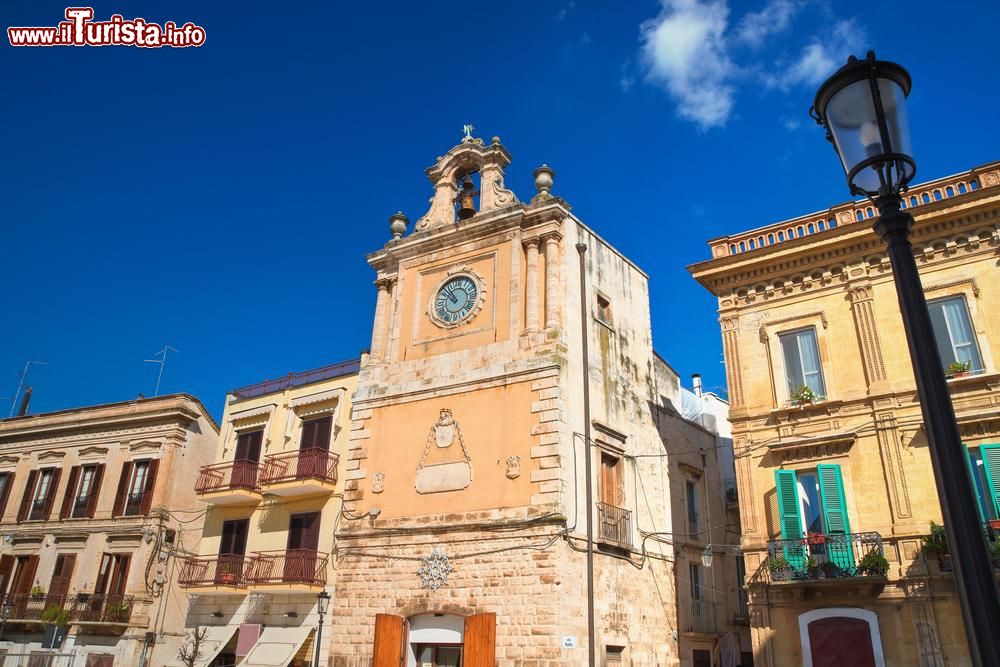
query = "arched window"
x=823 y=632
x=949 y=191
x=961 y=188
x=974 y=184
x=743 y=246
x=751 y=244
x=781 y=236
x=937 y=195
x=732 y=249
x=913 y=201
x=832 y=223
x=770 y=239
x=925 y=198
x=861 y=216
x=810 y=228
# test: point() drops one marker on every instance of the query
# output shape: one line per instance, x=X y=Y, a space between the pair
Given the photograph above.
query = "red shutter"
x=6 y=570
x=5 y=494
x=479 y=640
x=308 y=434
x=50 y=495
x=29 y=489
x=120 y=576
x=323 y=430
x=95 y=491
x=123 y=481
x=26 y=575
x=147 y=492
x=390 y=640
x=68 y=497
x=61 y=575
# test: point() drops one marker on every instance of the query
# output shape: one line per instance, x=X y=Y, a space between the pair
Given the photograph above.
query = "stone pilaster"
x=531 y=286
x=871 y=348
x=895 y=477
x=551 y=281
x=377 y=353
x=731 y=351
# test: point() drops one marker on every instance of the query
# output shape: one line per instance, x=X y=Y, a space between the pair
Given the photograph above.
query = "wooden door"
x=232 y=551
x=62 y=574
x=303 y=544
x=314 y=447
x=611 y=490
x=246 y=459
x=838 y=641
x=479 y=640
x=389 y=648
x=24 y=580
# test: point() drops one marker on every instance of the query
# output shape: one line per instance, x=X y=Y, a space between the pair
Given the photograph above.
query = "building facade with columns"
x=97 y=506
x=835 y=484
x=510 y=344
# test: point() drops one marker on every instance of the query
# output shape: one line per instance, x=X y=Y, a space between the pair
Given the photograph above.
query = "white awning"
x=252 y=417
x=276 y=647
x=216 y=638
x=318 y=396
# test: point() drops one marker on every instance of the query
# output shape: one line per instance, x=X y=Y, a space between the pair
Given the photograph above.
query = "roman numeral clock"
x=458 y=298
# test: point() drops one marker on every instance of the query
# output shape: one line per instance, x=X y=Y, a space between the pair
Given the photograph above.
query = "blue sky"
x=222 y=199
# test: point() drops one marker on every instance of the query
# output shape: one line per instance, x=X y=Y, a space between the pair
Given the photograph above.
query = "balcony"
x=230 y=483
x=828 y=559
x=615 y=525
x=288 y=571
x=83 y=608
x=702 y=618
x=299 y=473
x=730 y=492
x=224 y=573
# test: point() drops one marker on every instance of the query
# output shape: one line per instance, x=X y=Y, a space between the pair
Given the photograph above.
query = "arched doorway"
x=840 y=637
x=435 y=640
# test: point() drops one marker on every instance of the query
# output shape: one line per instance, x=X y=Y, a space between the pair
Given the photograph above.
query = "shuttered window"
x=62 y=574
x=6 y=481
x=389 y=643
x=135 y=488
x=802 y=367
x=990 y=456
x=39 y=495
x=479 y=639
x=953 y=333
x=797 y=496
x=316 y=433
x=248 y=445
x=788 y=513
x=612 y=491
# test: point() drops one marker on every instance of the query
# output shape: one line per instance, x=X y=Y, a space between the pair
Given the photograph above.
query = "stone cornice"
x=181 y=408
x=805 y=448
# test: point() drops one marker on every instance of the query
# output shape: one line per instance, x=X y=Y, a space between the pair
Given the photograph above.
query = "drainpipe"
x=591 y=634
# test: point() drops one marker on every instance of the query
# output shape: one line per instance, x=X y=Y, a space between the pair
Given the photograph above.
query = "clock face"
x=456 y=299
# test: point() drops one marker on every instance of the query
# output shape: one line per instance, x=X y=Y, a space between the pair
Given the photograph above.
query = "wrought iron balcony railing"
x=729 y=488
x=81 y=607
x=227 y=476
x=292 y=566
x=703 y=618
x=222 y=570
x=820 y=556
x=317 y=464
x=615 y=525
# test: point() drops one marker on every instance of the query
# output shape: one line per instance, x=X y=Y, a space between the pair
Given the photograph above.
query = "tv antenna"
x=162 y=361
x=20 y=385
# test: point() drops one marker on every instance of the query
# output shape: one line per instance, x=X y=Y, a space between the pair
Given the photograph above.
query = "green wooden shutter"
x=975 y=485
x=789 y=516
x=991 y=462
x=831 y=491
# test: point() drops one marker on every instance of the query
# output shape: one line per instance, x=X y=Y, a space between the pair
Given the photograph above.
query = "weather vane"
x=468 y=128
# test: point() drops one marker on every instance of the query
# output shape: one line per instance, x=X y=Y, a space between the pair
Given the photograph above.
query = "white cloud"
x=685 y=50
x=775 y=17
x=691 y=51
x=565 y=10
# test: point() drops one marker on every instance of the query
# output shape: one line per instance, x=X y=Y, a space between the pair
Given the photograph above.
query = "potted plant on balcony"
x=779 y=567
x=227 y=574
x=116 y=612
x=815 y=539
x=831 y=570
x=995 y=553
x=874 y=564
x=37 y=592
x=56 y=615
x=936 y=544
x=803 y=396
x=957 y=369
x=813 y=570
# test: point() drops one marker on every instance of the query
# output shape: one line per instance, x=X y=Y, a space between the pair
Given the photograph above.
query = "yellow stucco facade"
x=825 y=480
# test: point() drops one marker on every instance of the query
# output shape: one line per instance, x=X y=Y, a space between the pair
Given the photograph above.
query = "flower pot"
x=815 y=540
x=994 y=524
x=944 y=563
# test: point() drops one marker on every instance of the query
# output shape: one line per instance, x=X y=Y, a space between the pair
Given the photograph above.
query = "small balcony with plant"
x=219 y=574
x=301 y=472
x=820 y=558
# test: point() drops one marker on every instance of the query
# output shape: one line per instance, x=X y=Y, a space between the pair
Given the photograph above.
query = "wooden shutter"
x=789 y=517
x=95 y=491
x=120 y=575
x=234 y=537
x=50 y=494
x=991 y=465
x=831 y=490
x=303 y=531
x=103 y=574
x=69 y=497
x=26 y=575
x=5 y=494
x=62 y=574
x=248 y=446
x=479 y=640
x=123 y=481
x=390 y=640
x=308 y=434
x=147 y=491
x=6 y=570
x=29 y=489
x=324 y=428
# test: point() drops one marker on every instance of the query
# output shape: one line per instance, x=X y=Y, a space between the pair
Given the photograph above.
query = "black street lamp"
x=6 y=609
x=322 y=602
x=863 y=108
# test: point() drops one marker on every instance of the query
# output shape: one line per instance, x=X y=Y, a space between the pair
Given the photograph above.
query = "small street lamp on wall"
x=322 y=604
x=863 y=109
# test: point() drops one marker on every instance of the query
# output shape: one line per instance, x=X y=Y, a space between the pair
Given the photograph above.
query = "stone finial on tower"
x=544 y=178
x=397 y=225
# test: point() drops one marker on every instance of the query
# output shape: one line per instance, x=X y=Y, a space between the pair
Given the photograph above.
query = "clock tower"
x=464 y=530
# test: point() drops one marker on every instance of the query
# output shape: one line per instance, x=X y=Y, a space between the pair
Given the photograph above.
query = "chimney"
x=23 y=410
x=696 y=383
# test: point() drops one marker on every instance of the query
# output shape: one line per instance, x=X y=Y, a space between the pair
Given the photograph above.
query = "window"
x=694 y=572
x=984 y=462
x=953 y=333
x=80 y=500
x=39 y=494
x=604 y=309
x=802 y=367
x=135 y=488
x=316 y=433
x=701 y=657
x=813 y=501
x=613 y=655
x=611 y=491
x=6 y=481
x=692 y=508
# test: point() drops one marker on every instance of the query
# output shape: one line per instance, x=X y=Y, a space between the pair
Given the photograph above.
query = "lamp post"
x=863 y=109
x=322 y=602
x=6 y=609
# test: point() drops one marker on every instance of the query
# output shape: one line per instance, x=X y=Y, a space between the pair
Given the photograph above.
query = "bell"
x=466 y=200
